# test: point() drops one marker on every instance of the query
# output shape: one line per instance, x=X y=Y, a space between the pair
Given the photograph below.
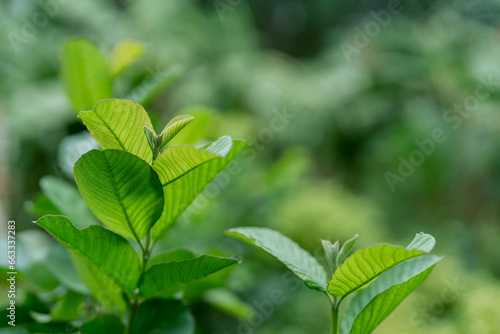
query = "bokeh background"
x=362 y=88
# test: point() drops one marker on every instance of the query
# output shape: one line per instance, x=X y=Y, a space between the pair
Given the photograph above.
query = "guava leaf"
x=369 y=307
x=170 y=256
x=86 y=74
x=117 y=124
x=124 y=55
x=68 y=201
x=298 y=260
x=422 y=242
x=173 y=127
x=121 y=189
x=181 y=192
x=107 y=250
x=160 y=316
x=103 y=324
x=168 y=278
x=365 y=265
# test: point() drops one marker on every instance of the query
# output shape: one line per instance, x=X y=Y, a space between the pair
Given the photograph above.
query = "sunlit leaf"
x=369 y=307
x=170 y=256
x=365 y=265
x=422 y=242
x=117 y=124
x=122 y=190
x=107 y=250
x=180 y=193
x=298 y=260
x=168 y=278
x=86 y=74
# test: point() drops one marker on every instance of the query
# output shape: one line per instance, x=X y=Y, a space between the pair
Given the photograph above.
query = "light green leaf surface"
x=180 y=193
x=122 y=190
x=168 y=278
x=345 y=250
x=298 y=260
x=117 y=124
x=107 y=250
x=371 y=306
x=173 y=127
x=365 y=265
x=68 y=308
x=170 y=256
x=422 y=242
x=160 y=316
x=124 y=55
x=86 y=74
x=68 y=201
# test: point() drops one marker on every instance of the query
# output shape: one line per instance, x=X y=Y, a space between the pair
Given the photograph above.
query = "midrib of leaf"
x=129 y=223
x=186 y=172
x=111 y=130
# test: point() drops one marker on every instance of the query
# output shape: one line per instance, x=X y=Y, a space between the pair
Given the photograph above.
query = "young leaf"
x=371 y=306
x=162 y=316
x=173 y=127
x=345 y=250
x=365 y=265
x=107 y=250
x=303 y=264
x=103 y=324
x=122 y=190
x=331 y=252
x=117 y=124
x=124 y=54
x=85 y=73
x=168 y=278
x=180 y=193
x=422 y=242
x=68 y=201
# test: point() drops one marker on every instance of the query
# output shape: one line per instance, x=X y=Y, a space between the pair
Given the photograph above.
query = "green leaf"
x=369 y=307
x=117 y=124
x=86 y=74
x=173 y=127
x=59 y=263
x=170 y=256
x=180 y=193
x=68 y=308
x=365 y=265
x=104 y=289
x=68 y=201
x=331 y=252
x=228 y=302
x=298 y=260
x=168 y=278
x=345 y=250
x=160 y=316
x=422 y=242
x=124 y=55
x=107 y=250
x=176 y=161
x=122 y=190
x=103 y=324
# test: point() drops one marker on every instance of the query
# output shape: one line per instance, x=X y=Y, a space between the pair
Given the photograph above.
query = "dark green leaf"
x=160 y=316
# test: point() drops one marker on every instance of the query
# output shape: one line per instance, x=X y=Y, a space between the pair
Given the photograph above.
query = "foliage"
x=380 y=276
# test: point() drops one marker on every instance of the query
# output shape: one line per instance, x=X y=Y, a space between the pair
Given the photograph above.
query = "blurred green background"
x=360 y=88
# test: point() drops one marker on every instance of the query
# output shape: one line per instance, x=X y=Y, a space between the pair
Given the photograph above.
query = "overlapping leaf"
x=107 y=250
x=122 y=190
x=68 y=201
x=168 y=278
x=371 y=306
x=85 y=73
x=365 y=265
x=117 y=124
x=181 y=192
x=302 y=263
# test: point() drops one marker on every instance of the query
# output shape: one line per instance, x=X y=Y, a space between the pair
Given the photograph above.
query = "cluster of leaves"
x=379 y=278
x=137 y=186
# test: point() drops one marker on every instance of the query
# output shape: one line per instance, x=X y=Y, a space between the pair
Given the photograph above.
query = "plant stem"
x=335 y=320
